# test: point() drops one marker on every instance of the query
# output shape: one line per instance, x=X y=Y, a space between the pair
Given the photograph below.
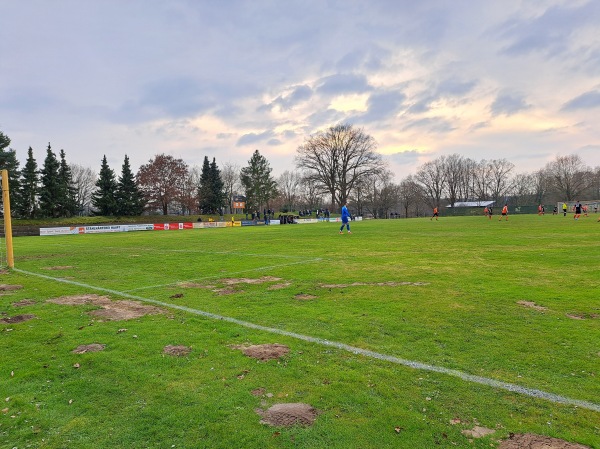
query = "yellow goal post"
x=10 y=260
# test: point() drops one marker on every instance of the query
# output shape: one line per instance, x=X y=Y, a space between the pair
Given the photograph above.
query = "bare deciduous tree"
x=230 y=174
x=569 y=176
x=84 y=181
x=410 y=194
x=432 y=178
x=288 y=183
x=338 y=158
x=499 y=178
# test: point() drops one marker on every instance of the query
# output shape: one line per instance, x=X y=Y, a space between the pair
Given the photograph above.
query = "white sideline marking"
x=220 y=275
x=365 y=352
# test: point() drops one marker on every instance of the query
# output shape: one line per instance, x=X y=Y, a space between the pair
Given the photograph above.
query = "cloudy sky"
x=488 y=79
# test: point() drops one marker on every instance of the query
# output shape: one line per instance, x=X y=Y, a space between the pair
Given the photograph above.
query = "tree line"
x=332 y=166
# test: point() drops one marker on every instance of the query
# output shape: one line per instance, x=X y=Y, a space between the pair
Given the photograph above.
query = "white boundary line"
x=372 y=354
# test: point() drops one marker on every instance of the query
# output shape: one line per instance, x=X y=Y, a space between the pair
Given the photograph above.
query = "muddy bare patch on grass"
x=532 y=305
x=17 y=319
x=24 y=302
x=532 y=441
x=109 y=310
x=477 y=432
x=288 y=415
x=304 y=297
x=226 y=291
x=264 y=352
x=373 y=284
x=177 y=350
x=93 y=347
x=261 y=280
x=582 y=316
x=10 y=287
x=279 y=286
x=195 y=285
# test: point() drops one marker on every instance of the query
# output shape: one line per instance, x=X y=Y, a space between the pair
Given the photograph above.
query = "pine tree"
x=104 y=197
x=259 y=185
x=9 y=162
x=68 y=192
x=29 y=188
x=50 y=192
x=205 y=193
x=217 y=186
x=130 y=200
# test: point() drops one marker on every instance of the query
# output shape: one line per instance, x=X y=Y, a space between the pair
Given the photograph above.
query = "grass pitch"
x=514 y=302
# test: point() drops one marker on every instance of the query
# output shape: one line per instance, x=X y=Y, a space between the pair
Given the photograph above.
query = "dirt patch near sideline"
x=287 y=415
x=9 y=287
x=109 y=309
x=93 y=347
x=304 y=296
x=532 y=441
x=582 y=316
x=24 y=302
x=478 y=432
x=17 y=319
x=177 y=350
x=264 y=352
x=194 y=285
x=372 y=284
x=532 y=305
x=233 y=281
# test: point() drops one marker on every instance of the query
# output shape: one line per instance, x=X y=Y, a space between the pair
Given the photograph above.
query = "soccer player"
x=577 y=210
x=435 y=214
x=504 y=212
x=564 y=209
x=345 y=219
x=485 y=212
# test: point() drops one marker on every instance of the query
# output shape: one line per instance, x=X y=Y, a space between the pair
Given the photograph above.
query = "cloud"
x=404 y=157
x=343 y=84
x=252 y=138
x=553 y=32
x=587 y=100
x=298 y=95
x=436 y=125
x=382 y=106
x=455 y=88
x=508 y=104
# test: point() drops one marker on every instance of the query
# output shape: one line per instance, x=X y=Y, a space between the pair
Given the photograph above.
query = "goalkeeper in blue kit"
x=345 y=219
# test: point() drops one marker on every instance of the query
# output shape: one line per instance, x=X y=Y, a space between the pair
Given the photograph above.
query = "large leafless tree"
x=569 y=176
x=432 y=178
x=230 y=174
x=288 y=183
x=84 y=181
x=338 y=158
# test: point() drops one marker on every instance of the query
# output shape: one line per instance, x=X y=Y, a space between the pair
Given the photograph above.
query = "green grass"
x=458 y=309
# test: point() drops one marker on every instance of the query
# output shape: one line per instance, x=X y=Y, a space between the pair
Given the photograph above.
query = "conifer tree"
x=130 y=200
x=217 y=186
x=259 y=185
x=205 y=194
x=50 y=192
x=9 y=162
x=104 y=197
x=68 y=193
x=29 y=188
